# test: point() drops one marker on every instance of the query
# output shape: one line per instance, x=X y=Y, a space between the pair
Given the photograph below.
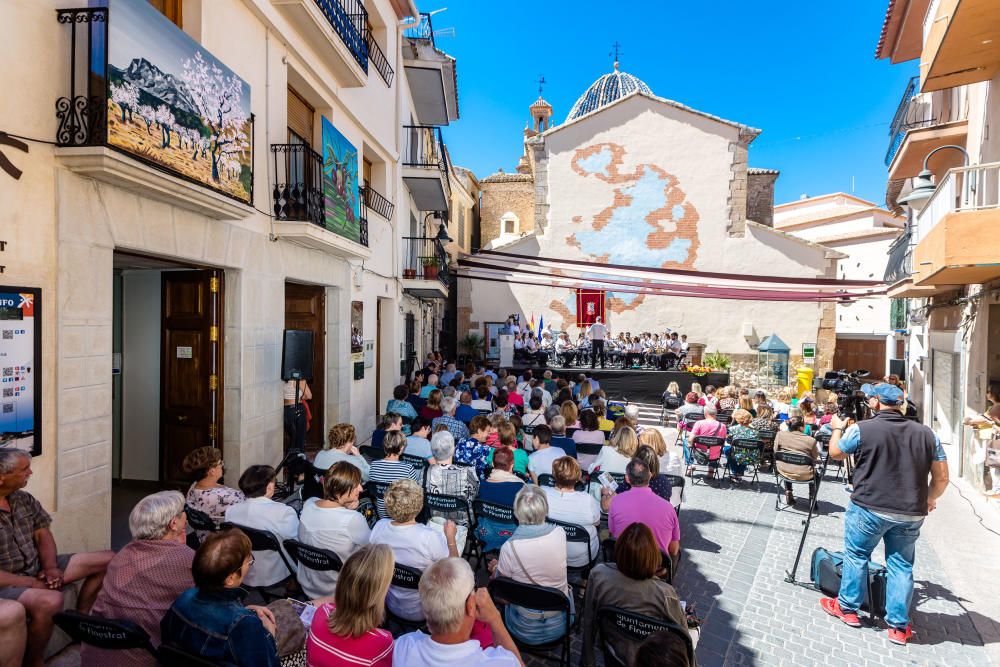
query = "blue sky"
x=803 y=72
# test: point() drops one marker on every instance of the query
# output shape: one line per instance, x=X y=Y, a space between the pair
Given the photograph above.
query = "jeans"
x=688 y=458
x=862 y=532
x=735 y=468
x=537 y=627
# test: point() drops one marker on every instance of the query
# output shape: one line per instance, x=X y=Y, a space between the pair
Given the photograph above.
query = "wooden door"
x=853 y=354
x=190 y=368
x=378 y=356
x=305 y=309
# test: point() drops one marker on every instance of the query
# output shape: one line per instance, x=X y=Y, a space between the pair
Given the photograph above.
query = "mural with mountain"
x=172 y=103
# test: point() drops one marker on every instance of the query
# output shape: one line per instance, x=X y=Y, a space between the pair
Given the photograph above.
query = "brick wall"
x=501 y=196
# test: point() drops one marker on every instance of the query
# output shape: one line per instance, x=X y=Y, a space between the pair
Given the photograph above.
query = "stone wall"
x=760 y=196
x=503 y=193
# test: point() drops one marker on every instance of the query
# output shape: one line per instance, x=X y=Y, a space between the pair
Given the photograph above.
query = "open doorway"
x=305 y=308
x=167 y=375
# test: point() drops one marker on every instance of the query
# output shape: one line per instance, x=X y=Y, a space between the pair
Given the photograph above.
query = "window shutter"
x=300 y=116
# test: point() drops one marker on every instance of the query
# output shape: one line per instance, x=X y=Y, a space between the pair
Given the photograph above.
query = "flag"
x=541 y=325
x=531 y=326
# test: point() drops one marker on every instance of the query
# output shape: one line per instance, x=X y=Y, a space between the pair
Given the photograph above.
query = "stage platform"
x=637 y=385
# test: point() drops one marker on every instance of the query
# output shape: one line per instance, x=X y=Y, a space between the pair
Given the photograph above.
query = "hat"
x=886 y=394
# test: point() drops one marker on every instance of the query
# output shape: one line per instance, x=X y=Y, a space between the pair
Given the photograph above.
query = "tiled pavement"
x=736 y=549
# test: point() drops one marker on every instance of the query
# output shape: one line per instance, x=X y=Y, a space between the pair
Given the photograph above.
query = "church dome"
x=609 y=88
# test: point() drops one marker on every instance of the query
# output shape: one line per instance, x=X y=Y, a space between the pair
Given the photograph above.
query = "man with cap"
x=893 y=458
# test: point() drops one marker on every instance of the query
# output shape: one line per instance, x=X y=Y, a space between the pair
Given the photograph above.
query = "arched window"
x=509 y=224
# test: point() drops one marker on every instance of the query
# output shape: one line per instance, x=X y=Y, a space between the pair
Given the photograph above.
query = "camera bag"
x=826 y=572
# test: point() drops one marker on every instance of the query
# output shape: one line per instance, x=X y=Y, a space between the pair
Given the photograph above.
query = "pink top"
x=325 y=649
x=709 y=427
x=641 y=505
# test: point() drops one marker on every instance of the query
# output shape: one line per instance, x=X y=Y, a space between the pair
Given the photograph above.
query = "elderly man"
x=451 y=605
x=465 y=412
x=13 y=633
x=559 y=439
x=31 y=570
x=449 y=374
x=432 y=384
x=458 y=430
x=641 y=505
x=632 y=415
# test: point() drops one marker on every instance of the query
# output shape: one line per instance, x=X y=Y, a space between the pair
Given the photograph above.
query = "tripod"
x=790 y=576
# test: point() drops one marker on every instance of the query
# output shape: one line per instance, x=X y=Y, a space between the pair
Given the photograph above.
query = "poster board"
x=20 y=368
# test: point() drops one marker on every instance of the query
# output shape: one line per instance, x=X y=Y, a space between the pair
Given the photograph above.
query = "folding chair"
x=667 y=563
x=265 y=540
x=407 y=578
x=577 y=534
x=767 y=436
x=548 y=480
x=313 y=558
x=823 y=439
x=107 y=633
x=570 y=432
x=588 y=448
x=312 y=485
x=633 y=629
x=371 y=453
x=451 y=506
x=376 y=492
x=495 y=515
x=198 y=520
x=747 y=451
x=419 y=463
x=690 y=419
x=667 y=408
x=724 y=417
x=796 y=459
x=366 y=508
x=677 y=483
x=705 y=450
x=505 y=591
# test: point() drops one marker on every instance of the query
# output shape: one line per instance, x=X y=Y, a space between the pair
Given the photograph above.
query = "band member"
x=565 y=350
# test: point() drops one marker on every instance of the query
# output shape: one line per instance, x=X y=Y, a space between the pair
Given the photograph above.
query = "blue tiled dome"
x=606 y=90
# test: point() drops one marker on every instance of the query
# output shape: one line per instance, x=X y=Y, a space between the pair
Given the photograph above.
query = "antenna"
x=437 y=11
x=541 y=82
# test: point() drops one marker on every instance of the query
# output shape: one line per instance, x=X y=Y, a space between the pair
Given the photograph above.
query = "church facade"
x=636 y=180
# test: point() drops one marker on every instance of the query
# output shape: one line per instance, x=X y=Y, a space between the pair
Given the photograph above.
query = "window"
x=300 y=119
x=172 y=9
x=509 y=224
x=367 y=172
x=461 y=226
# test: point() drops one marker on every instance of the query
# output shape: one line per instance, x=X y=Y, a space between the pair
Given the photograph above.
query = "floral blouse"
x=213 y=502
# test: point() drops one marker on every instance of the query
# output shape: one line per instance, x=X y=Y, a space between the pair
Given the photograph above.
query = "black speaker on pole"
x=297 y=355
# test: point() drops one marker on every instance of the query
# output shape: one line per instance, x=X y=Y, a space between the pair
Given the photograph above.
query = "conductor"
x=597 y=333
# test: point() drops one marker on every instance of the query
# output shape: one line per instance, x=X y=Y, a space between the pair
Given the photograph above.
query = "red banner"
x=589 y=306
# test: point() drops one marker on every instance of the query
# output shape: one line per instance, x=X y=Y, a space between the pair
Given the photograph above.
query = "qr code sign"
x=8 y=392
x=8 y=371
x=8 y=334
x=8 y=408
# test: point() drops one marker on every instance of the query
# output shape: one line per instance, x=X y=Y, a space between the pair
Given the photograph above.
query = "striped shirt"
x=388 y=472
x=325 y=649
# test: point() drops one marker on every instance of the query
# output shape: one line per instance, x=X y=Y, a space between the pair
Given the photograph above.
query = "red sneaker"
x=832 y=607
x=897 y=636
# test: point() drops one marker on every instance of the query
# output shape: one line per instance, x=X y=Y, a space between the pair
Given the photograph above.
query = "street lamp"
x=442 y=234
x=923 y=186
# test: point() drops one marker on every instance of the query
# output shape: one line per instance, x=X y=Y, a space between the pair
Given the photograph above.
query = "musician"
x=565 y=350
x=674 y=352
x=582 y=349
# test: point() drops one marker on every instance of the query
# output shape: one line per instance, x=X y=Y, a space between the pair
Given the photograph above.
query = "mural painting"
x=340 y=184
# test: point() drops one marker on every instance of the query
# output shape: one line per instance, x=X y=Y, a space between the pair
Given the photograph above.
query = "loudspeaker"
x=297 y=355
x=898 y=367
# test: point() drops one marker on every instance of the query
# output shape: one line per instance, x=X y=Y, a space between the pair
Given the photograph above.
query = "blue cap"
x=886 y=394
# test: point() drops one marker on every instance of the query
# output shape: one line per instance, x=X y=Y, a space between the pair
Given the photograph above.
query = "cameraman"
x=893 y=457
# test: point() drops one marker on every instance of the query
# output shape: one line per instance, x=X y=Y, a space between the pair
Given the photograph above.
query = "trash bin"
x=804 y=381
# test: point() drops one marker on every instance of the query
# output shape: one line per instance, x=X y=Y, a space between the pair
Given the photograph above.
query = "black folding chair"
x=690 y=419
x=795 y=459
x=706 y=450
x=312 y=485
x=106 y=633
x=724 y=417
x=748 y=452
x=546 y=479
x=505 y=591
x=577 y=534
x=376 y=492
x=313 y=558
x=667 y=562
x=366 y=508
x=677 y=482
x=450 y=507
x=265 y=540
x=632 y=628
x=588 y=448
x=570 y=431
x=823 y=440
x=371 y=453
x=496 y=514
x=407 y=578
x=766 y=437
x=198 y=520
x=172 y=655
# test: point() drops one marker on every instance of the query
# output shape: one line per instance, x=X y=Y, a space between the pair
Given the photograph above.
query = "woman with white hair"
x=535 y=554
x=146 y=576
x=450 y=479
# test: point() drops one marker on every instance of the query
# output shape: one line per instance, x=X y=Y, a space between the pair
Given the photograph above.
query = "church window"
x=509 y=224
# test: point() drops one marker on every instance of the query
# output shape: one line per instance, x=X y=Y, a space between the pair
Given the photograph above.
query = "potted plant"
x=717 y=361
x=472 y=344
x=431 y=267
x=409 y=273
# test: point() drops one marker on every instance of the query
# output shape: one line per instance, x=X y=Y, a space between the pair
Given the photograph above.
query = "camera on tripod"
x=851 y=401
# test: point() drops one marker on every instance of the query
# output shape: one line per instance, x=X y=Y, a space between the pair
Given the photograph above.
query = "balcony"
x=376 y=202
x=961 y=43
x=425 y=268
x=378 y=59
x=958 y=231
x=425 y=167
x=336 y=29
x=923 y=122
x=430 y=74
x=122 y=121
x=298 y=204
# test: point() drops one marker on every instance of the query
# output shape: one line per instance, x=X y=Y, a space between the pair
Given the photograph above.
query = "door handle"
x=182 y=418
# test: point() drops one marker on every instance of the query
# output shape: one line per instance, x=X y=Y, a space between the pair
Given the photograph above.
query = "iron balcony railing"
x=349 y=19
x=298 y=183
x=900 y=264
x=423 y=147
x=378 y=59
x=425 y=257
x=423 y=29
x=374 y=200
x=921 y=110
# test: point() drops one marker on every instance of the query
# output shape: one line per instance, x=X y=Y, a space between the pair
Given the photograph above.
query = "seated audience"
x=507 y=434
x=572 y=506
x=500 y=487
x=740 y=430
x=457 y=428
x=433 y=408
x=672 y=397
x=387 y=470
x=746 y=403
x=262 y=513
x=449 y=479
x=629 y=583
x=340 y=447
x=14 y=633
x=652 y=437
x=418 y=443
x=465 y=412
x=145 y=577
x=540 y=461
x=589 y=431
x=534 y=416
x=430 y=386
x=390 y=422
x=346 y=631
x=452 y=606
x=570 y=413
x=535 y=554
x=513 y=397
x=414 y=398
x=332 y=523
x=640 y=505
x=473 y=450
x=559 y=438
x=600 y=409
x=709 y=398
x=728 y=399
x=632 y=415
x=795 y=440
x=582 y=393
x=502 y=406
x=400 y=405
x=782 y=404
x=659 y=484
x=765 y=419
x=208 y=494
x=209 y=620
x=808 y=407
x=662 y=649
x=614 y=456
x=709 y=426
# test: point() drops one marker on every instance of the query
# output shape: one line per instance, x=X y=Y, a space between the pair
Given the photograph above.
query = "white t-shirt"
x=416 y=546
x=418 y=650
x=540 y=462
x=582 y=509
x=278 y=518
x=338 y=529
x=598 y=331
x=544 y=557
